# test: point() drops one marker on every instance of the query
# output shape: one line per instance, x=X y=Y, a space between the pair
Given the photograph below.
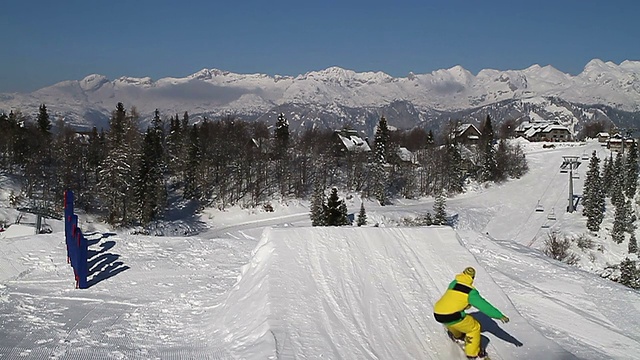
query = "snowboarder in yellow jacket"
x=450 y=311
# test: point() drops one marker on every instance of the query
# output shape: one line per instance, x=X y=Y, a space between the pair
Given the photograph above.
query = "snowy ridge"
x=361 y=293
x=221 y=92
x=247 y=333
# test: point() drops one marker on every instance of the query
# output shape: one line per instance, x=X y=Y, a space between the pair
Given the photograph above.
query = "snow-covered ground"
x=267 y=285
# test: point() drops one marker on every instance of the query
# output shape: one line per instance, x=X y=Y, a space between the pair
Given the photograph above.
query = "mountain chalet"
x=550 y=131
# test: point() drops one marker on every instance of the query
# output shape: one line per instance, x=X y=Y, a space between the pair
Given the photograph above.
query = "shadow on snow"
x=102 y=263
x=489 y=325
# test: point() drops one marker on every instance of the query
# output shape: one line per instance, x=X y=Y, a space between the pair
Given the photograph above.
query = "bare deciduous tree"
x=557 y=247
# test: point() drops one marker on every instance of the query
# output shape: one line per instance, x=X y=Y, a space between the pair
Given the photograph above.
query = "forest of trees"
x=128 y=173
x=617 y=180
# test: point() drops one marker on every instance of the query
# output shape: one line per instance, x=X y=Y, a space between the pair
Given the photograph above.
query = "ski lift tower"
x=40 y=213
x=571 y=163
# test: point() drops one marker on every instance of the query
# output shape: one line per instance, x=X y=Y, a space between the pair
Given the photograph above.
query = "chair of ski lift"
x=575 y=176
x=551 y=215
x=539 y=207
x=563 y=167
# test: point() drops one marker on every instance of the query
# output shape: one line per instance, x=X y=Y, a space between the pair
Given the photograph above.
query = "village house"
x=617 y=143
x=407 y=157
x=603 y=137
x=348 y=141
x=544 y=131
x=467 y=134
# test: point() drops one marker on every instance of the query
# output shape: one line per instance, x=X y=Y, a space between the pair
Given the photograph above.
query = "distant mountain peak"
x=143 y=81
x=330 y=91
x=93 y=82
x=208 y=74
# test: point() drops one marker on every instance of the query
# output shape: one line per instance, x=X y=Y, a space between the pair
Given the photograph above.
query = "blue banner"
x=77 y=245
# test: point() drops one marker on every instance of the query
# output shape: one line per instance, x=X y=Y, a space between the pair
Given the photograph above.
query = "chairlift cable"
x=534 y=209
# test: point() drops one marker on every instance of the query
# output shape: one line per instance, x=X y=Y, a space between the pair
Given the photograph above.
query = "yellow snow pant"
x=470 y=328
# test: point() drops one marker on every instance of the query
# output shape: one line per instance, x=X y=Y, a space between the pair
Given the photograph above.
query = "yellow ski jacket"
x=460 y=296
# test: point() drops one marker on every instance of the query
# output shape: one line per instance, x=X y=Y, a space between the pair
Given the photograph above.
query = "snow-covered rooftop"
x=406 y=155
x=354 y=143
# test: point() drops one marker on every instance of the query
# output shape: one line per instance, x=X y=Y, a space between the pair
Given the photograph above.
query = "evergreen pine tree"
x=192 y=186
x=486 y=130
x=336 y=210
x=185 y=120
x=428 y=219
x=117 y=126
x=317 y=214
x=440 y=214
x=96 y=151
x=587 y=187
x=608 y=175
x=502 y=161
x=281 y=154
x=378 y=176
x=344 y=215
x=593 y=198
x=281 y=137
x=517 y=162
x=185 y=146
x=5 y=140
x=617 y=186
x=40 y=168
x=454 y=176
x=114 y=183
x=381 y=140
x=488 y=171
x=378 y=179
x=620 y=223
x=633 y=244
x=44 y=123
x=362 y=216
x=174 y=146
x=631 y=171
x=115 y=171
x=630 y=218
x=430 y=138
x=16 y=149
x=150 y=188
x=629 y=274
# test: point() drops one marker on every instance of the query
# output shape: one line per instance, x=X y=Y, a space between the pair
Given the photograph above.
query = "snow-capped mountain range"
x=336 y=97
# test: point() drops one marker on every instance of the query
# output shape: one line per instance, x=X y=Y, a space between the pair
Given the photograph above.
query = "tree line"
x=617 y=181
x=131 y=173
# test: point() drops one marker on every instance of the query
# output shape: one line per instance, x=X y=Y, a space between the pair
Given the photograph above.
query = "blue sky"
x=44 y=42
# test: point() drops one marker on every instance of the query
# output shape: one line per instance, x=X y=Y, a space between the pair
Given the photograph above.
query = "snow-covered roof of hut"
x=354 y=143
x=405 y=155
x=554 y=127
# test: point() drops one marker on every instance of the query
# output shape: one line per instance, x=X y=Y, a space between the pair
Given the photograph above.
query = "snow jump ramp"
x=360 y=293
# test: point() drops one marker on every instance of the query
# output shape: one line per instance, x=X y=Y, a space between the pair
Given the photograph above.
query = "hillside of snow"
x=361 y=294
x=214 y=92
x=266 y=285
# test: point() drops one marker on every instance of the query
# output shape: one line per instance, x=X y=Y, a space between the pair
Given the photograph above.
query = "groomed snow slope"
x=303 y=293
x=361 y=293
x=591 y=317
